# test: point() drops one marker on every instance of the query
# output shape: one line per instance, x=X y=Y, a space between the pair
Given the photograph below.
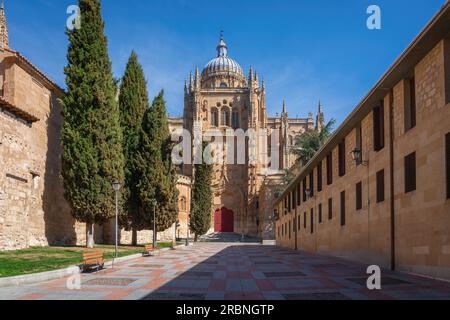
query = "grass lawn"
x=34 y=260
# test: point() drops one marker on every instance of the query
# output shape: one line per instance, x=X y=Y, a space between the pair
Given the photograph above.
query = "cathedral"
x=222 y=99
x=33 y=210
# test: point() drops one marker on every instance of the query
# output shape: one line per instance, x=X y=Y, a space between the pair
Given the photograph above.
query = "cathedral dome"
x=222 y=64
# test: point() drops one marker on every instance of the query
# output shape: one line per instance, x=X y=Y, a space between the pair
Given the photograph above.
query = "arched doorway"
x=223 y=220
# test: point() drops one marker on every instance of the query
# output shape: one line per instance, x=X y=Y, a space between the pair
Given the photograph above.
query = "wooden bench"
x=148 y=250
x=93 y=260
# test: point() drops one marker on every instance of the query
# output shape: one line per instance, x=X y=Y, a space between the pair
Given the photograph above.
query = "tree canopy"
x=91 y=135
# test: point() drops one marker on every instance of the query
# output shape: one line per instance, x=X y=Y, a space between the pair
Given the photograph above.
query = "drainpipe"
x=296 y=226
x=391 y=169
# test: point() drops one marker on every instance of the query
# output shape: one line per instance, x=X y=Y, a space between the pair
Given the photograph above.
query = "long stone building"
x=379 y=191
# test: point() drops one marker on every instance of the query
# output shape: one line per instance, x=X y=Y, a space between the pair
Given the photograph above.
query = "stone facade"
x=409 y=228
x=270 y=189
x=180 y=230
x=221 y=99
x=33 y=211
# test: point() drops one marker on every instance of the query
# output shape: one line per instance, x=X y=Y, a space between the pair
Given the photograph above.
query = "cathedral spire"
x=320 y=119
x=222 y=48
x=197 y=78
x=250 y=77
x=191 y=82
x=4 y=40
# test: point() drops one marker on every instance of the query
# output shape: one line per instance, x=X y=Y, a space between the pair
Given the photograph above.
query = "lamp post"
x=309 y=195
x=116 y=187
x=357 y=157
x=154 y=224
x=188 y=214
x=187 y=230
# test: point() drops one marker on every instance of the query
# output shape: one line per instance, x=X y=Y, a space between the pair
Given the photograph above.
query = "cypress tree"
x=133 y=103
x=201 y=203
x=91 y=135
x=158 y=176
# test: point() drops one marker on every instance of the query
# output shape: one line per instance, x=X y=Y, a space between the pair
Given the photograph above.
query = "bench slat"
x=93 y=262
x=92 y=259
x=96 y=254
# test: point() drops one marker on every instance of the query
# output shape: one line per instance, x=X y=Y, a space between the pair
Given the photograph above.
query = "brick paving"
x=234 y=271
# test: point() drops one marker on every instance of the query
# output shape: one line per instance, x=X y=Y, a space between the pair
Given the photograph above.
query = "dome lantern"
x=222 y=64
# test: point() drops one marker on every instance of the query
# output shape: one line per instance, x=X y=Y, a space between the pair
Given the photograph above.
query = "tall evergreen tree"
x=310 y=142
x=158 y=176
x=133 y=103
x=91 y=135
x=201 y=203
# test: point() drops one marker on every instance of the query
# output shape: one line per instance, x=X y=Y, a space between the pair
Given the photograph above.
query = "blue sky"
x=306 y=50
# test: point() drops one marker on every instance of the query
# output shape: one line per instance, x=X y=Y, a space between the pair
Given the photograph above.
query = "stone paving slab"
x=234 y=271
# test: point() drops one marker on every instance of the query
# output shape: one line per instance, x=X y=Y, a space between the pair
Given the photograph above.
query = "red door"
x=224 y=220
x=218 y=221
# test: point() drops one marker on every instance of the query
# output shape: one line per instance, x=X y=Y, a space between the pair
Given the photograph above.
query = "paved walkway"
x=234 y=271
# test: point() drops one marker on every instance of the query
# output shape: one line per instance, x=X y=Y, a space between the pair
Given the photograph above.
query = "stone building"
x=33 y=211
x=379 y=191
x=218 y=101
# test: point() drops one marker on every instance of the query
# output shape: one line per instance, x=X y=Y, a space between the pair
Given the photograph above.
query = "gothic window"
x=214 y=117
x=223 y=85
x=225 y=117
x=235 y=119
x=183 y=204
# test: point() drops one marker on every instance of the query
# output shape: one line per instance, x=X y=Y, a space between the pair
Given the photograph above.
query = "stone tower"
x=285 y=137
x=320 y=119
x=4 y=39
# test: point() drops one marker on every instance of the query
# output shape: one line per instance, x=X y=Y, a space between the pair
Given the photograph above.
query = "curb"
x=34 y=278
x=38 y=277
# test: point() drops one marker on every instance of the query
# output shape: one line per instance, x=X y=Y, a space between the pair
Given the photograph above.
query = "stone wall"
x=33 y=211
x=146 y=236
x=267 y=195
x=422 y=217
